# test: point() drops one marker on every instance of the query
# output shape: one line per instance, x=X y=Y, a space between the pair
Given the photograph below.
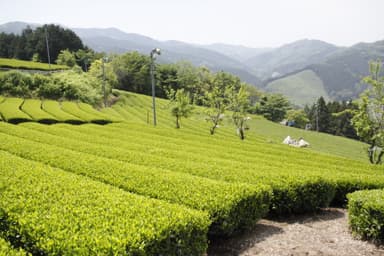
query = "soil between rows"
x=323 y=233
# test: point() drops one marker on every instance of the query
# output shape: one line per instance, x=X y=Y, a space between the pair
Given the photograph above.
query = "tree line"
x=31 y=45
x=185 y=85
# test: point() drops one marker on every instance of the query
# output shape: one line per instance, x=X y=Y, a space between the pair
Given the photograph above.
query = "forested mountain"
x=335 y=71
x=339 y=74
x=114 y=40
x=290 y=57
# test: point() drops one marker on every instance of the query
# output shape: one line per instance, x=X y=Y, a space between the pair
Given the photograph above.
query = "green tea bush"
x=7 y=250
x=298 y=187
x=51 y=212
x=10 y=111
x=232 y=207
x=33 y=108
x=22 y=64
x=366 y=214
x=53 y=107
x=74 y=109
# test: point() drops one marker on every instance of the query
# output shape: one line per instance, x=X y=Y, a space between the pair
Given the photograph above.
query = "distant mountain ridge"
x=338 y=69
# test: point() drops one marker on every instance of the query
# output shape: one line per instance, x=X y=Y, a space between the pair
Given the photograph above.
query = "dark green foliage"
x=366 y=214
x=32 y=42
x=15 y=83
x=292 y=195
x=341 y=119
x=68 y=85
x=132 y=71
x=273 y=107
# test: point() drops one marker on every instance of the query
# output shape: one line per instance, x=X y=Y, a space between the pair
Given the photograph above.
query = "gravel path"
x=324 y=233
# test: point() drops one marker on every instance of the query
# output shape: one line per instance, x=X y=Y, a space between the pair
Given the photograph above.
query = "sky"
x=257 y=23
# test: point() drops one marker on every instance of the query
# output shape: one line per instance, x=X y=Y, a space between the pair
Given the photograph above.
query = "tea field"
x=110 y=183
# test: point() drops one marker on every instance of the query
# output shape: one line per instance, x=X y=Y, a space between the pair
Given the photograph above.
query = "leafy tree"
x=167 y=80
x=369 y=118
x=96 y=71
x=319 y=116
x=32 y=42
x=216 y=98
x=272 y=106
x=298 y=116
x=59 y=39
x=239 y=105
x=132 y=71
x=84 y=57
x=180 y=106
x=67 y=58
x=340 y=120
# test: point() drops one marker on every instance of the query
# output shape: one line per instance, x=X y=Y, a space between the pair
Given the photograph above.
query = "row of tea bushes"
x=310 y=184
x=232 y=207
x=7 y=250
x=52 y=212
x=366 y=214
x=17 y=110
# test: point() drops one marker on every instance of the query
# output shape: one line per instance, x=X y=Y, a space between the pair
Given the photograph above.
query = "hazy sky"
x=257 y=23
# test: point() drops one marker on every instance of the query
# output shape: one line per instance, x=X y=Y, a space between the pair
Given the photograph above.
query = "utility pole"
x=46 y=42
x=317 y=116
x=152 y=73
x=104 y=92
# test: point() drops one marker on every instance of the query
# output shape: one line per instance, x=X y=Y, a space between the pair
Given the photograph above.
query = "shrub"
x=231 y=206
x=33 y=108
x=366 y=214
x=16 y=83
x=51 y=212
x=7 y=250
x=10 y=111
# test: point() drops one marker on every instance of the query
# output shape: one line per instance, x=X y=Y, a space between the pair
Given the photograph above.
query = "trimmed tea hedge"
x=10 y=111
x=298 y=187
x=23 y=64
x=7 y=250
x=53 y=107
x=33 y=108
x=366 y=214
x=73 y=109
x=232 y=207
x=51 y=212
x=89 y=109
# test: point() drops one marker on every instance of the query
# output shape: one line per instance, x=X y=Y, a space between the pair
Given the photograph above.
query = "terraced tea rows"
x=217 y=184
x=231 y=206
x=59 y=213
x=17 y=110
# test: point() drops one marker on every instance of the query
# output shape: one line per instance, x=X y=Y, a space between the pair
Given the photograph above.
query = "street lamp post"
x=152 y=55
x=47 y=46
x=103 y=60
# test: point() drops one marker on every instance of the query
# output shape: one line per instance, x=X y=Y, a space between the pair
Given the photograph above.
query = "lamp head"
x=155 y=51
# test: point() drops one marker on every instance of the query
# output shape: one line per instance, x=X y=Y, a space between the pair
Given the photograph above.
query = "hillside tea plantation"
x=127 y=187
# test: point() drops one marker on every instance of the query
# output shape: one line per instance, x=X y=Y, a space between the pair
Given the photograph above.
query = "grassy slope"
x=137 y=106
x=319 y=142
x=23 y=64
x=301 y=88
x=191 y=151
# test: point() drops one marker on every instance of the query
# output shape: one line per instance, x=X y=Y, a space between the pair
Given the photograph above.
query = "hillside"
x=301 y=88
x=290 y=57
x=339 y=68
x=135 y=188
x=340 y=73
